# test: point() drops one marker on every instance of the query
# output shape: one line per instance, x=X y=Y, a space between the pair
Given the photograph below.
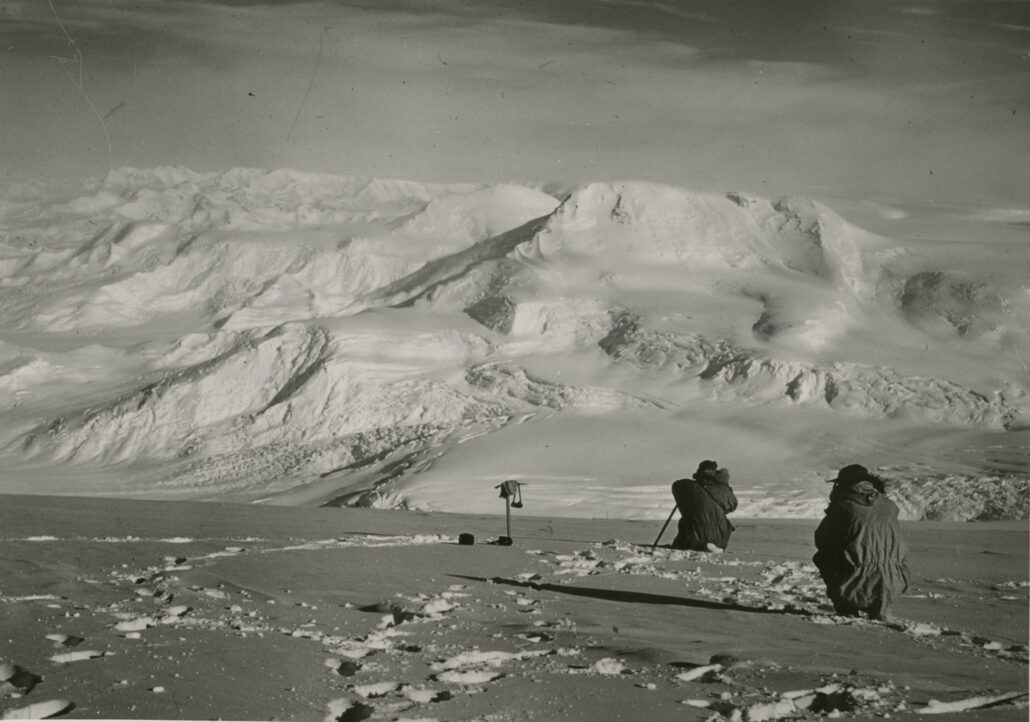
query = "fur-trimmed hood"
x=861 y=492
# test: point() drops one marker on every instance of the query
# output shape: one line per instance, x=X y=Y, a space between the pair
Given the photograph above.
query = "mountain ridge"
x=292 y=329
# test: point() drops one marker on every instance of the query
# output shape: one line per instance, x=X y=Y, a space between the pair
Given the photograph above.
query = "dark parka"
x=861 y=556
x=703 y=502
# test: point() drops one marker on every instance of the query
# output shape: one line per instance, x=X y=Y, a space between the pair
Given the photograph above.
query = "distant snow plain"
x=300 y=339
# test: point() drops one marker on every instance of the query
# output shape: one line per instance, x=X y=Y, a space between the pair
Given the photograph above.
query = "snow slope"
x=127 y=609
x=298 y=338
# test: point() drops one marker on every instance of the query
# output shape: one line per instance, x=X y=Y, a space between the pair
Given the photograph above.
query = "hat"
x=708 y=465
x=850 y=474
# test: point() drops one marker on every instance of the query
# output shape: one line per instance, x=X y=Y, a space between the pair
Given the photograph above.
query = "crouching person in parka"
x=703 y=502
x=861 y=556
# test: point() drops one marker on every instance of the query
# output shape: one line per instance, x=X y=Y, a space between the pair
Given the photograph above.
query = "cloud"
x=751 y=95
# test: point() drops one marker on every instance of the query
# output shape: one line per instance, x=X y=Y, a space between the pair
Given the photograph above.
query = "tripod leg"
x=664 y=527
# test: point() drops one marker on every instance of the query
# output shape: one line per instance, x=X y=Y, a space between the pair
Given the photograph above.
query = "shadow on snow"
x=621 y=595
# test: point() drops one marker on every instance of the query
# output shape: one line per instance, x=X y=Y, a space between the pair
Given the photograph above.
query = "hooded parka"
x=860 y=553
x=703 y=502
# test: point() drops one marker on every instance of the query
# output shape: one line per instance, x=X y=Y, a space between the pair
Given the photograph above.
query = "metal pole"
x=507 y=514
x=664 y=526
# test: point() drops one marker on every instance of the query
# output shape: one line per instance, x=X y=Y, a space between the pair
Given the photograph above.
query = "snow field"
x=415 y=651
x=284 y=336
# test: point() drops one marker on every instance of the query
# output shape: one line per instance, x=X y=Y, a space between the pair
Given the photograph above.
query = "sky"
x=917 y=103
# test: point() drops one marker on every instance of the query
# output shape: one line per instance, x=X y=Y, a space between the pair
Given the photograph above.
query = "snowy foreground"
x=179 y=610
x=298 y=339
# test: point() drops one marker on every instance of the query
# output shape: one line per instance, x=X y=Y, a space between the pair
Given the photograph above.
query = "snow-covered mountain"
x=303 y=338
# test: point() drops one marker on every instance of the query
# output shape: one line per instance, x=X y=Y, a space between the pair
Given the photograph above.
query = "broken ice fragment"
x=65 y=640
x=135 y=625
x=39 y=710
x=609 y=665
x=16 y=681
x=960 y=705
x=701 y=672
x=68 y=657
x=378 y=689
x=470 y=677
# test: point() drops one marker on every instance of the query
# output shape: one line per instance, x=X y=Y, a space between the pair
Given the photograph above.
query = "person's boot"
x=843 y=609
x=879 y=611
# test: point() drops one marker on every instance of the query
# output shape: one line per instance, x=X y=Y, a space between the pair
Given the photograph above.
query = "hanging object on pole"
x=511 y=492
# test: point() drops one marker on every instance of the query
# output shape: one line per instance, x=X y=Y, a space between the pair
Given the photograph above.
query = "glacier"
x=296 y=338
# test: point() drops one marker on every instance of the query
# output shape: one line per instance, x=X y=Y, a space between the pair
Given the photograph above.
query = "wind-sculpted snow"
x=254 y=333
x=277 y=245
x=955 y=497
x=699 y=230
x=393 y=619
x=514 y=383
x=178 y=411
x=732 y=373
x=292 y=392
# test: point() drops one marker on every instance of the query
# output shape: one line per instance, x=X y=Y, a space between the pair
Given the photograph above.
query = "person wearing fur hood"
x=703 y=502
x=860 y=553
